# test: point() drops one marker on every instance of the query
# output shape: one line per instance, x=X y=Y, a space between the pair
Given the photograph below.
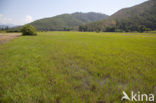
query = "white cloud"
x=1 y=15
x=5 y=20
x=28 y=19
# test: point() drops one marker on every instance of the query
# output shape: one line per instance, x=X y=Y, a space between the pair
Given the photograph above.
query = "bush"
x=28 y=30
x=97 y=30
x=110 y=29
x=141 y=28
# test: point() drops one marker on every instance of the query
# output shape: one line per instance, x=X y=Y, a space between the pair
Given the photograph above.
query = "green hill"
x=67 y=21
x=137 y=18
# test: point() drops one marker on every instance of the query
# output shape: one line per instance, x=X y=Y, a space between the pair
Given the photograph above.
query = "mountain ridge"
x=134 y=18
x=67 y=21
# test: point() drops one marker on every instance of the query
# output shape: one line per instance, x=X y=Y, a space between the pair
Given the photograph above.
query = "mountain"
x=7 y=25
x=67 y=21
x=136 y=18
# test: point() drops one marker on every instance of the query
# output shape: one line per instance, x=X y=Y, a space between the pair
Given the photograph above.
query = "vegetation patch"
x=28 y=30
x=77 y=67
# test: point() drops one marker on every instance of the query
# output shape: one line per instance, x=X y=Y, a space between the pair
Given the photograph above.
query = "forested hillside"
x=67 y=22
x=137 y=18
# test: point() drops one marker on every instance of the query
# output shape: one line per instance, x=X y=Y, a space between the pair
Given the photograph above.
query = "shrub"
x=110 y=29
x=141 y=28
x=97 y=30
x=28 y=30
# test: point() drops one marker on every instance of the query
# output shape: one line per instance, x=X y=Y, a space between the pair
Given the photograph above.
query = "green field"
x=77 y=67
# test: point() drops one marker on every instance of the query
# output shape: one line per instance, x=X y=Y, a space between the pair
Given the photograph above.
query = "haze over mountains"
x=67 y=21
x=7 y=25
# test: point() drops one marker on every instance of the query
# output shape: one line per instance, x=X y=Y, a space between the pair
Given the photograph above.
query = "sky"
x=20 y=12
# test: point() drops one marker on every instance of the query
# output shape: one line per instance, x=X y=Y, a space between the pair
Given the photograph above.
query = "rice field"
x=77 y=67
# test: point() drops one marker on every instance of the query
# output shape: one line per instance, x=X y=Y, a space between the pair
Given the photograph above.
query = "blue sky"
x=20 y=12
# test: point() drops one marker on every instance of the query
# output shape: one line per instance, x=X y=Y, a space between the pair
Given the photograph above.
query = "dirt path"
x=8 y=36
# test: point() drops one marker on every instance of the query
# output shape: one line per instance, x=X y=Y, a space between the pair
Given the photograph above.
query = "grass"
x=3 y=32
x=77 y=67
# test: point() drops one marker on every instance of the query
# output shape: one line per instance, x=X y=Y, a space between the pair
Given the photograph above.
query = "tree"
x=110 y=29
x=28 y=30
x=141 y=28
x=97 y=30
x=6 y=28
x=82 y=28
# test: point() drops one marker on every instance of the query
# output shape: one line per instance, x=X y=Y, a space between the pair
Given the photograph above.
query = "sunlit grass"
x=77 y=67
